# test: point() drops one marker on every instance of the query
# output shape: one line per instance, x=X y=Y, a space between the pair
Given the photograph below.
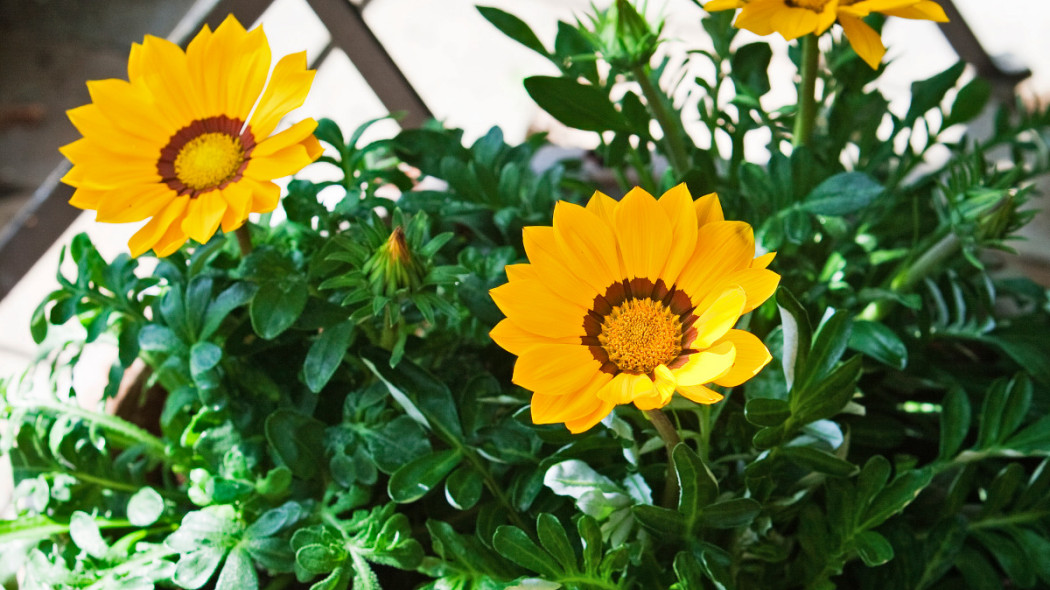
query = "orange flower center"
x=640 y=335
x=208 y=160
x=814 y=5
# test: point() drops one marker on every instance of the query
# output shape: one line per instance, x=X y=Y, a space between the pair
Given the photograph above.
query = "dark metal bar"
x=968 y=47
x=350 y=32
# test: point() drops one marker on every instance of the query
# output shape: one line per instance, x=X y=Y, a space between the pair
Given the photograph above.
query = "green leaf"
x=894 y=497
x=414 y=480
x=927 y=94
x=842 y=194
x=233 y=297
x=204 y=356
x=829 y=395
x=955 y=422
x=819 y=461
x=766 y=411
x=977 y=571
x=238 y=573
x=554 y=539
x=687 y=570
x=797 y=333
x=463 y=488
x=750 y=65
x=730 y=514
x=297 y=440
x=829 y=343
x=879 y=342
x=513 y=27
x=195 y=568
x=1009 y=555
x=276 y=306
x=145 y=507
x=422 y=395
x=577 y=105
x=85 y=534
x=873 y=548
x=512 y=543
x=696 y=484
x=325 y=355
x=969 y=102
x=663 y=522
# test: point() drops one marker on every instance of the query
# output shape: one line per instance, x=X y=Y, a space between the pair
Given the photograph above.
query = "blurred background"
x=465 y=71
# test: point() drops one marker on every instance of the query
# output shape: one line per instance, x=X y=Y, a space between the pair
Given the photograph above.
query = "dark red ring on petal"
x=218 y=124
x=638 y=288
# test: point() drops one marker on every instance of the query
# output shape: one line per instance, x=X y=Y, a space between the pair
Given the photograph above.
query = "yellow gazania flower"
x=628 y=302
x=175 y=143
x=795 y=18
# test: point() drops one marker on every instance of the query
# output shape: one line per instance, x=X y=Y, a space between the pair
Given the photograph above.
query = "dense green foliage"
x=335 y=416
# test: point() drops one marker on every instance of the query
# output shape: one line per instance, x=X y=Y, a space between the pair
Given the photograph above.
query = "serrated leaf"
x=512 y=543
x=556 y=542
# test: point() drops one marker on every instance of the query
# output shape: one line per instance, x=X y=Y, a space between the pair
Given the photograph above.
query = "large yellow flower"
x=630 y=301
x=795 y=18
x=175 y=142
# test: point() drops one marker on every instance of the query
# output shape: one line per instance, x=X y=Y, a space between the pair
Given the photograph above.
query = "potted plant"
x=717 y=373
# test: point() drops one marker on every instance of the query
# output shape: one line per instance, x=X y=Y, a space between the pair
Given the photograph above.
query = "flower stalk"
x=244 y=240
x=674 y=139
x=669 y=434
x=807 y=90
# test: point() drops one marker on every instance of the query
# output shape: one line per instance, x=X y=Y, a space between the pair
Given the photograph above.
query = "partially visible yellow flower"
x=795 y=18
x=175 y=143
x=629 y=302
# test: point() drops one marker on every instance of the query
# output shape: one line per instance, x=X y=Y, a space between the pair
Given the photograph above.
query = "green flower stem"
x=120 y=432
x=667 y=431
x=659 y=104
x=244 y=240
x=946 y=247
x=807 y=89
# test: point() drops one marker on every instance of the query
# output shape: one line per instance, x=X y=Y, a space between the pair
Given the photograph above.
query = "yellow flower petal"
x=549 y=409
x=700 y=394
x=763 y=260
x=587 y=246
x=926 y=10
x=555 y=369
x=677 y=204
x=542 y=249
x=717 y=319
x=643 y=233
x=286 y=91
x=203 y=215
x=717 y=5
x=587 y=422
x=602 y=205
x=149 y=234
x=534 y=308
x=751 y=356
x=516 y=340
x=706 y=366
x=722 y=247
x=708 y=209
x=864 y=40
